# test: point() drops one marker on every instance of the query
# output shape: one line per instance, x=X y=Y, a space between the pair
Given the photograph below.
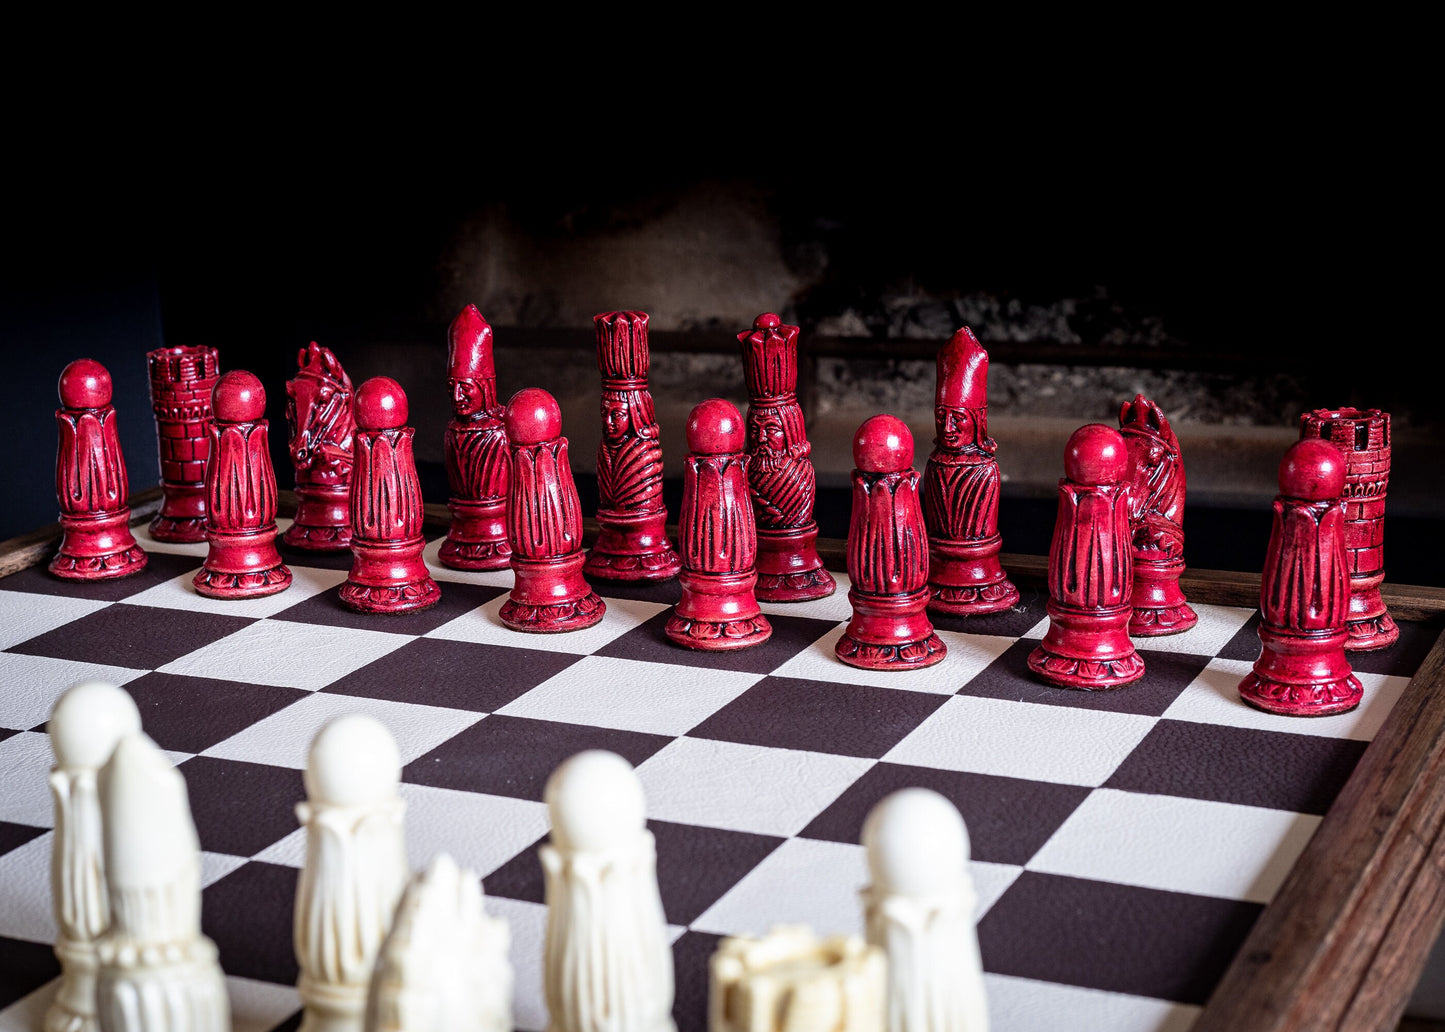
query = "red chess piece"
x=780 y=470
x=182 y=380
x=632 y=540
x=1091 y=569
x=90 y=481
x=478 y=462
x=242 y=561
x=961 y=487
x=1364 y=437
x=544 y=524
x=388 y=574
x=1156 y=516
x=718 y=610
x=887 y=556
x=1304 y=594
x=320 y=411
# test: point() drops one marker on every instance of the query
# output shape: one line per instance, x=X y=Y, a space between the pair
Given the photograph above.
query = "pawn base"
x=317 y=539
x=98 y=547
x=1087 y=649
x=475 y=555
x=184 y=531
x=789 y=567
x=124 y=563
x=251 y=584
x=323 y=519
x=1152 y=623
x=390 y=599
x=1089 y=675
x=388 y=577
x=550 y=596
x=890 y=632
x=718 y=636
x=1302 y=700
x=632 y=546
x=242 y=565
x=965 y=578
x=718 y=612
x=477 y=536
x=1301 y=674
x=557 y=618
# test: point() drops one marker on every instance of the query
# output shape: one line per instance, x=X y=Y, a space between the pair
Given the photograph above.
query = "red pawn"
x=544 y=524
x=478 y=463
x=242 y=561
x=718 y=536
x=1091 y=569
x=320 y=410
x=90 y=481
x=387 y=571
x=1304 y=594
x=887 y=556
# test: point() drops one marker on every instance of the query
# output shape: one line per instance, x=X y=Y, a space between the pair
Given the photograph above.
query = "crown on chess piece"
x=770 y=358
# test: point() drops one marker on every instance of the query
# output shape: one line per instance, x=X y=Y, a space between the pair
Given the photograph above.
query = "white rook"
x=790 y=981
x=920 y=910
x=355 y=869
x=608 y=966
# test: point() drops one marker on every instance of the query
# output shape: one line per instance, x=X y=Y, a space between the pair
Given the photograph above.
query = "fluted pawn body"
x=1156 y=517
x=321 y=414
x=887 y=556
x=1304 y=592
x=90 y=481
x=182 y=379
x=1091 y=570
x=242 y=561
x=475 y=447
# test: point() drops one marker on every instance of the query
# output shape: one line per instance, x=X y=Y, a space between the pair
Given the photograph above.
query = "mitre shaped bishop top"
x=622 y=350
x=963 y=372
x=469 y=343
x=770 y=357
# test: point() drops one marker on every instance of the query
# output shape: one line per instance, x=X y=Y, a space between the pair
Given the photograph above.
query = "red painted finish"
x=780 y=468
x=320 y=412
x=479 y=465
x=632 y=542
x=544 y=524
x=1304 y=594
x=718 y=536
x=1156 y=516
x=90 y=481
x=1091 y=564
x=1364 y=437
x=961 y=489
x=388 y=574
x=887 y=556
x=182 y=379
x=242 y=561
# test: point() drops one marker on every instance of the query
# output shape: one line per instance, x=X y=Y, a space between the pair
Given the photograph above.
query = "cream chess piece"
x=790 y=981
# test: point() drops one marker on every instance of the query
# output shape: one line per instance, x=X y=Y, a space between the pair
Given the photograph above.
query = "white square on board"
x=803 y=881
x=287 y=654
x=26 y=911
x=24 y=614
x=481 y=832
x=1217 y=626
x=259 y=1006
x=484 y=626
x=25 y=762
x=180 y=593
x=1027 y=1005
x=431 y=555
x=30 y=685
x=967 y=655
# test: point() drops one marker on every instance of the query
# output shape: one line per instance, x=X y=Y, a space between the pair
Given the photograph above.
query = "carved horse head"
x=320 y=413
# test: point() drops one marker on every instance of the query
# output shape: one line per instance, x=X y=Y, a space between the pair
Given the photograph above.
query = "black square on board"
x=251 y=914
x=191 y=714
x=1245 y=643
x=456 y=600
x=647 y=642
x=13 y=836
x=1402 y=658
x=139 y=637
x=24 y=968
x=160 y=567
x=241 y=808
x=690 y=955
x=1010 y=623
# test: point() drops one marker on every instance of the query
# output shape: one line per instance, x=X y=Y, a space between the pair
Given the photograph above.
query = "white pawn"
x=157 y=972
x=355 y=868
x=607 y=966
x=920 y=910
x=444 y=966
x=84 y=727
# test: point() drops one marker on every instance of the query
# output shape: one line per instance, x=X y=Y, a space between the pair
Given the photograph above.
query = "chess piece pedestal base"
x=550 y=596
x=718 y=612
x=330 y=1008
x=1301 y=675
x=73 y=1009
x=889 y=632
x=244 y=565
x=1159 y=605
x=98 y=548
x=477 y=537
x=1087 y=649
x=632 y=546
x=1370 y=625
x=182 y=519
x=789 y=567
x=323 y=519
x=389 y=577
x=965 y=578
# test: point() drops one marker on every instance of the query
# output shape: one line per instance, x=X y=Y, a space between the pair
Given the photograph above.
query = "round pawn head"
x=916 y=842
x=1095 y=455
x=88 y=720
x=883 y=444
x=533 y=416
x=85 y=383
x=767 y=321
x=595 y=801
x=381 y=404
x=1312 y=470
x=715 y=427
x=353 y=762
x=238 y=397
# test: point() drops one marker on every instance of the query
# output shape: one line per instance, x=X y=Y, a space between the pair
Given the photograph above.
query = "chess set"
x=1157 y=770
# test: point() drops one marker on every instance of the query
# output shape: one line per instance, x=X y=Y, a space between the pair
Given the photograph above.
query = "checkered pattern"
x=1123 y=842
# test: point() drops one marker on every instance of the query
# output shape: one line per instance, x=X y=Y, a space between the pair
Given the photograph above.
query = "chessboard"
x=1132 y=850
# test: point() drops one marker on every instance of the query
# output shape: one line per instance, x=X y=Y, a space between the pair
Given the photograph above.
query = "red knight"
x=320 y=411
x=478 y=462
x=1156 y=514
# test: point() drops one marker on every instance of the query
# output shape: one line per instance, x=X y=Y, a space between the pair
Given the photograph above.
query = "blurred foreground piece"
x=920 y=910
x=182 y=379
x=887 y=556
x=632 y=540
x=790 y=981
x=960 y=489
x=475 y=446
x=1364 y=437
x=1156 y=518
x=607 y=963
x=321 y=415
x=1304 y=593
x=158 y=973
x=544 y=524
x=1091 y=569
x=718 y=610
x=780 y=468
x=355 y=868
